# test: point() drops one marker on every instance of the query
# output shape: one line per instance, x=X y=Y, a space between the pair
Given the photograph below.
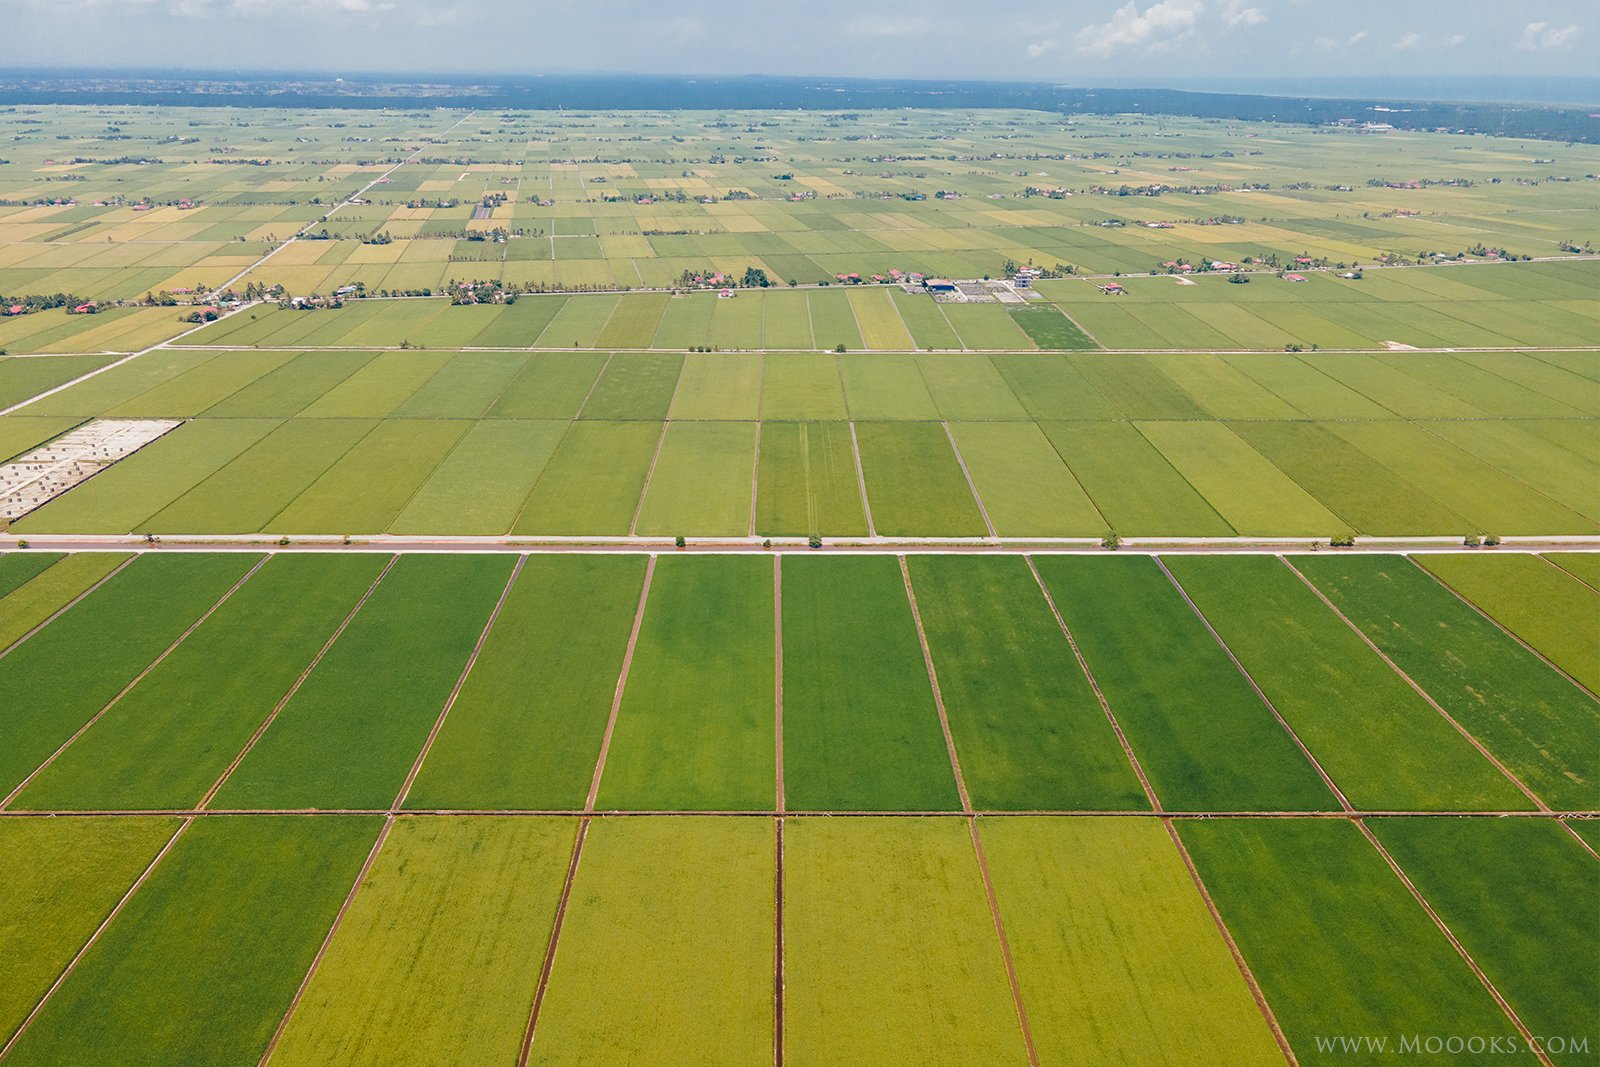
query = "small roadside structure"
x=940 y=285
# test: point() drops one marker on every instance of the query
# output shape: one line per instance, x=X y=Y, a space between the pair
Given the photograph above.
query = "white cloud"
x=1455 y=40
x=1237 y=14
x=1541 y=37
x=1408 y=43
x=1356 y=38
x=1038 y=49
x=1155 y=29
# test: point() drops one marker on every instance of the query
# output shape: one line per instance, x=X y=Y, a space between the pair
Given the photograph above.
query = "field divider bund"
x=322 y=949
x=125 y=690
x=550 y=949
x=1327 y=780
x=861 y=481
x=777 y=678
x=1099 y=695
x=1498 y=625
x=1421 y=692
x=971 y=819
x=1505 y=1006
x=777 y=822
x=650 y=473
x=972 y=486
x=622 y=683
x=87 y=945
x=455 y=692
x=295 y=688
x=755 y=466
x=68 y=606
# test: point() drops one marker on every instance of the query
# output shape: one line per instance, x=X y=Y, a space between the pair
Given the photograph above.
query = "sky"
x=1076 y=42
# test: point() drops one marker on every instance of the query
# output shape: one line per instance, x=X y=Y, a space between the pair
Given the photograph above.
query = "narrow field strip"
x=68 y=606
x=622 y=683
x=971 y=485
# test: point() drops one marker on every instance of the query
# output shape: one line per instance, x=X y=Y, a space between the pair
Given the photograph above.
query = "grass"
x=1026 y=489
x=202 y=963
x=1255 y=497
x=526 y=730
x=62 y=676
x=353 y=730
x=807 y=481
x=1223 y=389
x=165 y=743
x=635 y=385
x=1030 y=733
x=987 y=326
x=118 y=500
x=914 y=482
x=481 y=485
x=1535 y=721
x=890 y=952
x=1521 y=896
x=120 y=384
x=34 y=601
x=929 y=328
x=668 y=916
x=1335 y=940
x=1381 y=743
x=1530 y=458
x=1551 y=610
x=578 y=322
x=61 y=878
x=431 y=962
x=703 y=480
x=1204 y=738
x=634 y=322
x=860 y=728
x=370 y=484
x=1137 y=387
x=593 y=482
x=1114 y=948
x=695 y=730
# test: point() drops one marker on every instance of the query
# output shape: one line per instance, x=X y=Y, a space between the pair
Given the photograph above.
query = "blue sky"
x=1168 y=42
